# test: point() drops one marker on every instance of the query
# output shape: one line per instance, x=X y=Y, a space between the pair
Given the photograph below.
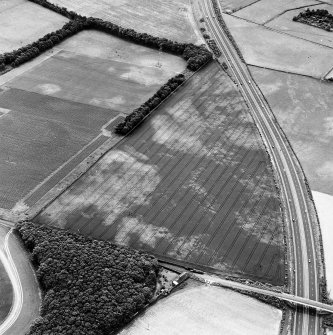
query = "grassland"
x=265 y=10
x=170 y=19
x=207 y=310
x=192 y=184
x=266 y=48
x=23 y=22
x=303 y=107
x=286 y=24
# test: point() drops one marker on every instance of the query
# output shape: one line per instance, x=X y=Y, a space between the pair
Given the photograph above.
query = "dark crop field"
x=39 y=133
x=192 y=184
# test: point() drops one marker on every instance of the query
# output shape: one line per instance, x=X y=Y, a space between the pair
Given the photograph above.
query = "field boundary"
x=288 y=10
x=279 y=31
x=86 y=164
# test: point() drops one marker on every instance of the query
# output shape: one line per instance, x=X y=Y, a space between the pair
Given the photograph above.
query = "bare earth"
x=207 y=310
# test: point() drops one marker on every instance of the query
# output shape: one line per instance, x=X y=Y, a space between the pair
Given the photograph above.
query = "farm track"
x=222 y=154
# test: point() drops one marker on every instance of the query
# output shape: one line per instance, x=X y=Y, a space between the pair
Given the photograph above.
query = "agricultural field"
x=324 y=206
x=207 y=310
x=235 y=5
x=54 y=109
x=266 y=48
x=171 y=19
x=192 y=184
x=6 y=291
x=265 y=10
x=303 y=107
x=286 y=24
x=97 y=69
x=23 y=22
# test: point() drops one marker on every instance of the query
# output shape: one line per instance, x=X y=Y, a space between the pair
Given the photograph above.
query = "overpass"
x=294 y=300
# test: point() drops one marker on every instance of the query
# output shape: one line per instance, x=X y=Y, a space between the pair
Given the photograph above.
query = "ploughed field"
x=192 y=184
x=51 y=111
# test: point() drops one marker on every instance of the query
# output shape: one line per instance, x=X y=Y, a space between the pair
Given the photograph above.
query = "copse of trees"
x=133 y=119
x=320 y=18
x=89 y=286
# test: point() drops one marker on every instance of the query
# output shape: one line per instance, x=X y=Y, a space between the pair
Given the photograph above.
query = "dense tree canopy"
x=89 y=286
x=320 y=18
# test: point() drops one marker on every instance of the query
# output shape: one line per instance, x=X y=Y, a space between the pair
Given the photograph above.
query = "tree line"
x=140 y=113
x=89 y=286
x=199 y=55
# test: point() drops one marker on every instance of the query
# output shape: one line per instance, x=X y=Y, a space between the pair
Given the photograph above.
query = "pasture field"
x=303 y=107
x=193 y=183
x=170 y=19
x=23 y=22
x=266 y=48
x=207 y=310
x=286 y=24
x=85 y=70
x=265 y=10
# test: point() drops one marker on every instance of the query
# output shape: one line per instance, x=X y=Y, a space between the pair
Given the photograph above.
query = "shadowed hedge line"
x=199 y=55
x=140 y=113
x=89 y=286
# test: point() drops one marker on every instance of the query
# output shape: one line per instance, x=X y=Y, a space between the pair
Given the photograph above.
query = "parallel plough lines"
x=166 y=167
x=216 y=227
x=226 y=182
x=144 y=138
x=166 y=181
x=173 y=194
x=225 y=234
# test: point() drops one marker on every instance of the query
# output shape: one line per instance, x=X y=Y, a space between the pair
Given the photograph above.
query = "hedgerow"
x=140 y=113
x=199 y=54
x=196 y=56
x=89 y=286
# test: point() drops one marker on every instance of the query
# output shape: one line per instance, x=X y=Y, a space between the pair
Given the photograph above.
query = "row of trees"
x=199 y=54
x=320 y=18
x=30 y=51
x=140 y=113
x=89 y=286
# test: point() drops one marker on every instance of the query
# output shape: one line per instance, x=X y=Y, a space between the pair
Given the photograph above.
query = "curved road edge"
x=26 y=293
